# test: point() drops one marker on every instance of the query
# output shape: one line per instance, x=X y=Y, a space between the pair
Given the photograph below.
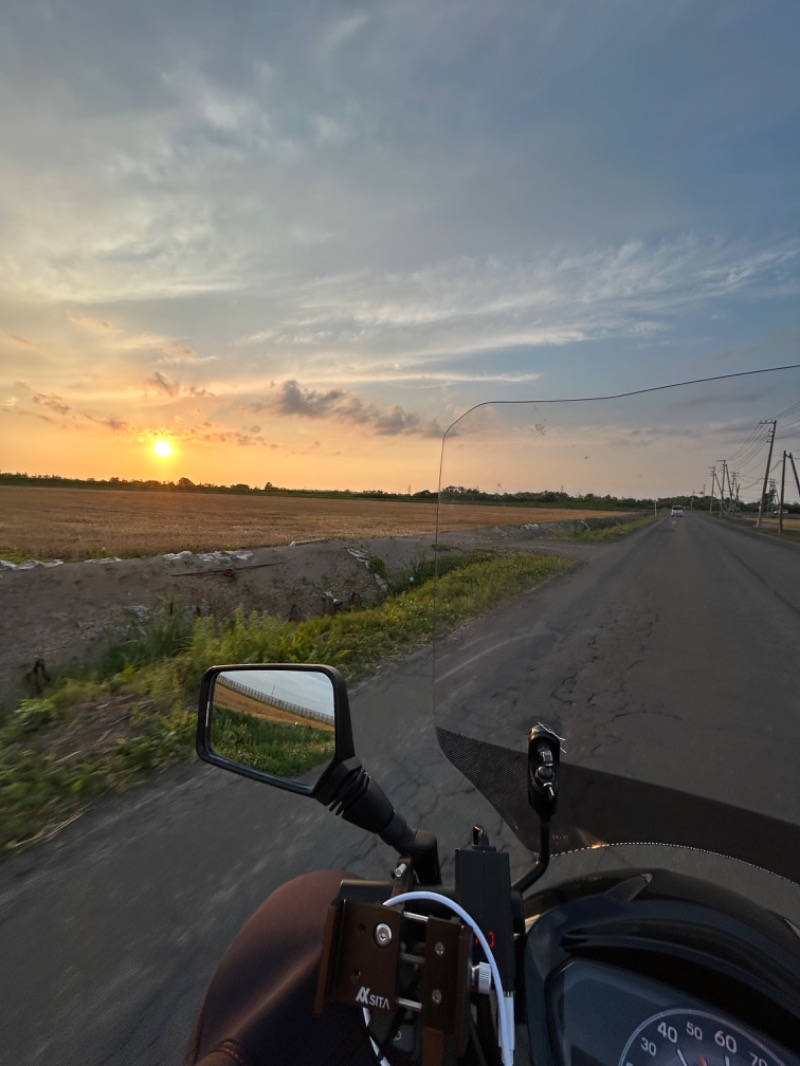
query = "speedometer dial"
x=694 y=1038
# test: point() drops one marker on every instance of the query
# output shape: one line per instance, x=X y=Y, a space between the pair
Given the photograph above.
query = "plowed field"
x=70 y=524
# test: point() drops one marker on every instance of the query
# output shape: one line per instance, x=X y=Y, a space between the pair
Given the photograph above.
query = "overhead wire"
x=745 y=458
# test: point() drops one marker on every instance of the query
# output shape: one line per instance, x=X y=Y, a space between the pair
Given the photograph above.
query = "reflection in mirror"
x=277 y=722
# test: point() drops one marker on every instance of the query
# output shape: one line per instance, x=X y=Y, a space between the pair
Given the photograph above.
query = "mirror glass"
x=277 y=722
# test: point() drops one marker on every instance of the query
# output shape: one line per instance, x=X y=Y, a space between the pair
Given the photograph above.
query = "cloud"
x=94 y=325
x=23 y=342
x=719 y=398
x=396 y=422
x=174 y=352
x=163 y=383
x=168 y=386
x=420 y=324
x=309 y=403
x=644 y=437
x=52 y=402
x=344 y=407
x=118 y=425
x=244 y=438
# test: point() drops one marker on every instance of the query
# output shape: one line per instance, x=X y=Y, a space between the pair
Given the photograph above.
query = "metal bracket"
x=360 y=956
x=365 y=943
x=445 y=995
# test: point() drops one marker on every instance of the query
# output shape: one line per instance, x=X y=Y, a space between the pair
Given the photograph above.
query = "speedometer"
x=694 y=1038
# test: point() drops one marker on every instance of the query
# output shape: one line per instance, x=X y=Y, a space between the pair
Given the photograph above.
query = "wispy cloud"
x=21 y=342
x=170 y=352
x=163 y=383
x=117 y=425
x=177 y=353
x=94 y=325
x=53 y=402
x=465 y=306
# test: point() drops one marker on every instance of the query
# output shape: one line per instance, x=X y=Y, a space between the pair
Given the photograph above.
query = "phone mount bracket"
x=399 y=966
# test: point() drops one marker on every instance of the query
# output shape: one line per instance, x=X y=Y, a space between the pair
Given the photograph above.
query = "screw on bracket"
x=383 y=935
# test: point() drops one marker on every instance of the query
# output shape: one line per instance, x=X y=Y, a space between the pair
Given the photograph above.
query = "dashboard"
x=601 y=1014
x=656 y=969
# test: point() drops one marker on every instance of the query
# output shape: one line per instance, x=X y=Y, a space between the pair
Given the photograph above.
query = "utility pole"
x=727 y=474
x=723 y=506
x=774 y=423
x=713 y=472
x=794 y=468
x=734 y=494
x=783 y=493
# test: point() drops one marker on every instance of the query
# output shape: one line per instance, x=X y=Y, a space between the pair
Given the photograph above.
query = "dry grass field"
x=53 y=523
x=791 y=525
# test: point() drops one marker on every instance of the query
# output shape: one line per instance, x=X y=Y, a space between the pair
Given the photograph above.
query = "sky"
x=698 y=439
x=296 y=241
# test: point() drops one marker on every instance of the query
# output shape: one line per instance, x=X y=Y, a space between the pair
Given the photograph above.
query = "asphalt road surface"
x=673 y=657
x=109 y=934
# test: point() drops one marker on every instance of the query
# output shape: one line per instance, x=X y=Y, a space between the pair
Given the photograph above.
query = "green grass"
x=14 y=555
x=270 y=747
x=612 y=531
x=135 y=712
x=165 y=633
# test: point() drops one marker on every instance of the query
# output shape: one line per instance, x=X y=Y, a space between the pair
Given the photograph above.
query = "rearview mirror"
x=289 y=726
x=285 y=725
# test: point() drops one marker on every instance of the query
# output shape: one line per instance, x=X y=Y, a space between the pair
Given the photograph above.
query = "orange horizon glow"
x=336 y=460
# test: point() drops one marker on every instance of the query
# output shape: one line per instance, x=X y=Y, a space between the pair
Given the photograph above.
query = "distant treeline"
x=454 y=493
x=184 y=484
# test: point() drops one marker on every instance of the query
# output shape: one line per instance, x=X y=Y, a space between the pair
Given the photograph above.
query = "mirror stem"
x=352 y=793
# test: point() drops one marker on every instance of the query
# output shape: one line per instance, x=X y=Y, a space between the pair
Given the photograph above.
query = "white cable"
x=367 y=1020
x=505 y=1003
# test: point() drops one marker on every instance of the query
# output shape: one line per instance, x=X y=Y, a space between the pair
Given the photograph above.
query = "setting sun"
x=162 y=448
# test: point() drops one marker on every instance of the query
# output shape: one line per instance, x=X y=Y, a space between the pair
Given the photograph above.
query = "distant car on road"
x=677 y=512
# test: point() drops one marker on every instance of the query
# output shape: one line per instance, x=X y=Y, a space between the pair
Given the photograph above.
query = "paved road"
x=109 y=934
x=661 y=656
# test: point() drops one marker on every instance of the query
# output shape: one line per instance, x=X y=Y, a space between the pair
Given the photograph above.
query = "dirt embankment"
x=64 y=615
x=55 y=617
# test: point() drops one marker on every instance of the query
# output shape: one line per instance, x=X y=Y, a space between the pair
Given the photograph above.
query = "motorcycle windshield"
x=665 y=650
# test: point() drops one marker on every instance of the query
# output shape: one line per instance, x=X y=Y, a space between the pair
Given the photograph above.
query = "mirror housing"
x=249 y=713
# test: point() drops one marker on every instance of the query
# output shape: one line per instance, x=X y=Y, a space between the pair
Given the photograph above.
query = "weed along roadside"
x=106 y=727
x=117 y=724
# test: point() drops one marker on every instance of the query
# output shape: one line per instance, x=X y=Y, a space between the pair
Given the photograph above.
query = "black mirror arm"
x=419 y=845
x=349 y=791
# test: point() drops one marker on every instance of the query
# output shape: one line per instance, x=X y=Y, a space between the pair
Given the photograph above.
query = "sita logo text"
x=367 y=999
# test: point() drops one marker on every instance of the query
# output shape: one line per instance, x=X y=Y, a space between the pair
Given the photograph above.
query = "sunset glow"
x=294 y=249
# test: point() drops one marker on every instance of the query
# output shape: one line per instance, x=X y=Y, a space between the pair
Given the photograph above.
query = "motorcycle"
x=634 y=721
